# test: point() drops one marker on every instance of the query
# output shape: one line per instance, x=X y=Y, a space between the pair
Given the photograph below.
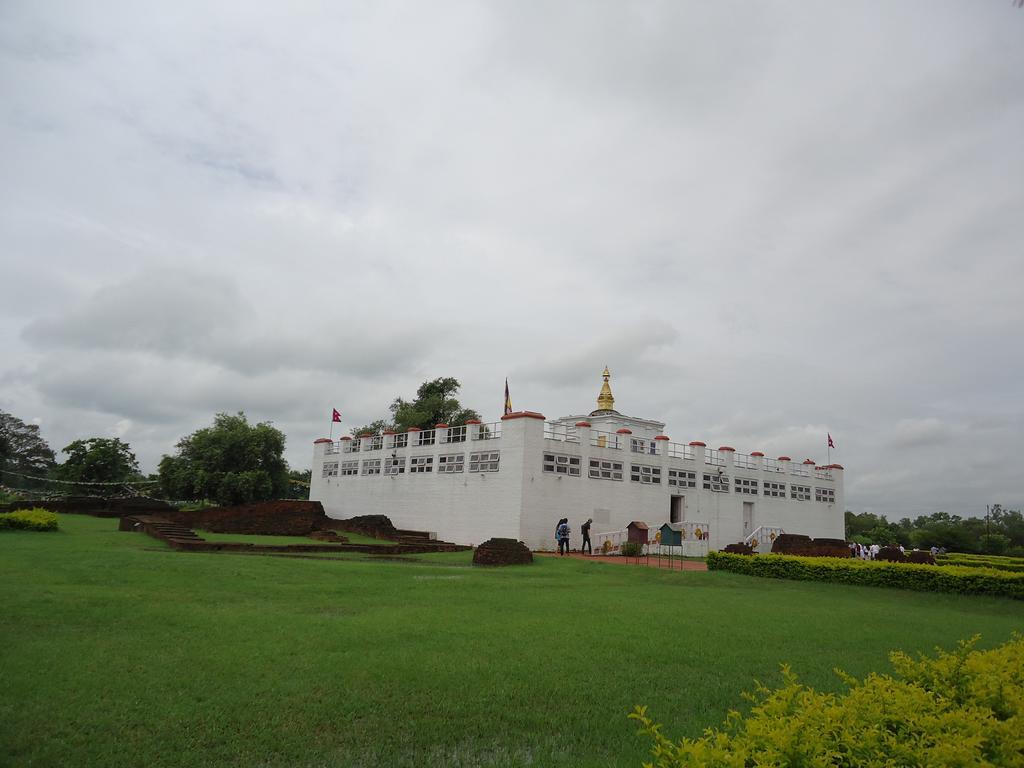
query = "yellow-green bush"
x=957 y=709
x=873 y=573
x=35 y=519
x=1013 y=564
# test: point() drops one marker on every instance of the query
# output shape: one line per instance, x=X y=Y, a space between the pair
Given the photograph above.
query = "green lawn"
x=116 y=651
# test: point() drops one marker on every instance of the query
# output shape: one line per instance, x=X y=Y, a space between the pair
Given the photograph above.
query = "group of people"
x=864 y=551
x=562 y=536
x=870 y=551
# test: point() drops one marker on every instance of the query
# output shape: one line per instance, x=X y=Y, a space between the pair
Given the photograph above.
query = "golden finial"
x=605 y=401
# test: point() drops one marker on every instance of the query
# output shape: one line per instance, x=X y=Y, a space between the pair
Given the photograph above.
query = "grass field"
x=116 y=651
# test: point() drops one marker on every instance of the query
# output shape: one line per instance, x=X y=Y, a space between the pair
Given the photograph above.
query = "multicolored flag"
x=335 y=415
x=830 y=443
x=508 y=399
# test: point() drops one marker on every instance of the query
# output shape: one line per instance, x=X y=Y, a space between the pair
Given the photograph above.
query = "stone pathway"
x=650 y=562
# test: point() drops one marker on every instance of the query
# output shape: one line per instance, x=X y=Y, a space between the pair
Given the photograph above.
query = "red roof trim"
x=323 y=440
x=346 y=437
x=582 y=423
x=474 y=421
x=441 y=426
x=757 y=453
x=661 y=437
x=623 y=431
x=522 y=415
x=783 y=458
x=810 y=461
x=728 y=448
x=698 y=442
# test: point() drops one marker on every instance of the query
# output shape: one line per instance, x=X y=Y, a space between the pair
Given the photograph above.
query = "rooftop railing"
x=456 y=435
x=713 y=458
x=563 y=432
x=772 y=465
x=744 y=461
x=680 y=451
x=605 y=440
x=489 y=431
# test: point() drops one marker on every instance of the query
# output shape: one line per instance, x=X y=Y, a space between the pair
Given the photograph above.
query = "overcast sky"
x=772 y=220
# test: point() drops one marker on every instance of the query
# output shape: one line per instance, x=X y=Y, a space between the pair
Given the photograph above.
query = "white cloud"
x=772 y=222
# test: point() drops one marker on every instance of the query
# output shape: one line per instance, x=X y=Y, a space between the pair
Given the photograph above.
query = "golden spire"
x=605 y=401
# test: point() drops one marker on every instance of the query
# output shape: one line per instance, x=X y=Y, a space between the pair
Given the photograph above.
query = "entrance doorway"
x=677 y=510
x=748 y=518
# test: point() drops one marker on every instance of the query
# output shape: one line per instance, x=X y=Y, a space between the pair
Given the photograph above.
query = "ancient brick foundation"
x=894 y=555
x=96 y=506
x=502 y=552
x=890 y=554
x=738 y=548
x=805 y=546
x=269 y=518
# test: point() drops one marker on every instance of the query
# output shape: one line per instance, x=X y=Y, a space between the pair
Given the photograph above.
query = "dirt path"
x=650 y=562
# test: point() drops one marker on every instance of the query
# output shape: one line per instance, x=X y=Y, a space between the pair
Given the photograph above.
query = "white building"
x=516 y=477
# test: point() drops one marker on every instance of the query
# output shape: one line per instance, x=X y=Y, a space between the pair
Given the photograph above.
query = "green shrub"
x=959 y=708
x=1012 y=564
x=631 y=549
x=35 y=519
x=872 y=573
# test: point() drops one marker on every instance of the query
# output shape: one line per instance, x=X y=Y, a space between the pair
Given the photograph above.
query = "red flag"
x=830 y=443
x=335 y=416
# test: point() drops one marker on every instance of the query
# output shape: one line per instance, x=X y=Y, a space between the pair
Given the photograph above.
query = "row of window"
x=426 y=437
x=602 y=469
x=449 y=463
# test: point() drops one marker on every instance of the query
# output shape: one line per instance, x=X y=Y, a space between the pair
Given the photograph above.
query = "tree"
x=99 y=460
x=23 y=450
x=373 y=428
x=231 y=462
x=298 y=483
x=435 y=403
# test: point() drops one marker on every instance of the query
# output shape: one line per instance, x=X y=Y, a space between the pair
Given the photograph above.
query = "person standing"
x=585 y=530
x=563 y=536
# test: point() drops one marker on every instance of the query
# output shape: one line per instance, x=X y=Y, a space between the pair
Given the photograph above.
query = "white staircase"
x=762 y=538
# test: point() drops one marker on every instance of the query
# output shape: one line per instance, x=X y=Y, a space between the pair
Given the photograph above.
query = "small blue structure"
x=671 y=535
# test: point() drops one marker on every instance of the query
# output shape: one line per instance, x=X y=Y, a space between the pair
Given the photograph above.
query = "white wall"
x=522 y=501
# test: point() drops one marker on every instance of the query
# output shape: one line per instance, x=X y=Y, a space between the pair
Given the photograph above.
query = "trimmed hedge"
x=872 y=573
x=34 y=519
x=1012 y=564
x=960 y=708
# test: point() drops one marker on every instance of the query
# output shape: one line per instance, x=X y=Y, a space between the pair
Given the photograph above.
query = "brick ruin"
x=502 y=552
x=805 y=546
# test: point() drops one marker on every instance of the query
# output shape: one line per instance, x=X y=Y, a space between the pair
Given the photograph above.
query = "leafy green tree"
x=993 y=543
x=23 y=450
x=298 y=483
x=231 y=462
x=373 y=428
x=99 y=460
x=435 y=403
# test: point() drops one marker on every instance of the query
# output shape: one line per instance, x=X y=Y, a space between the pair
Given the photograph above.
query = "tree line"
x=232 y=461
x=229 y=462
x=1000 y=532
